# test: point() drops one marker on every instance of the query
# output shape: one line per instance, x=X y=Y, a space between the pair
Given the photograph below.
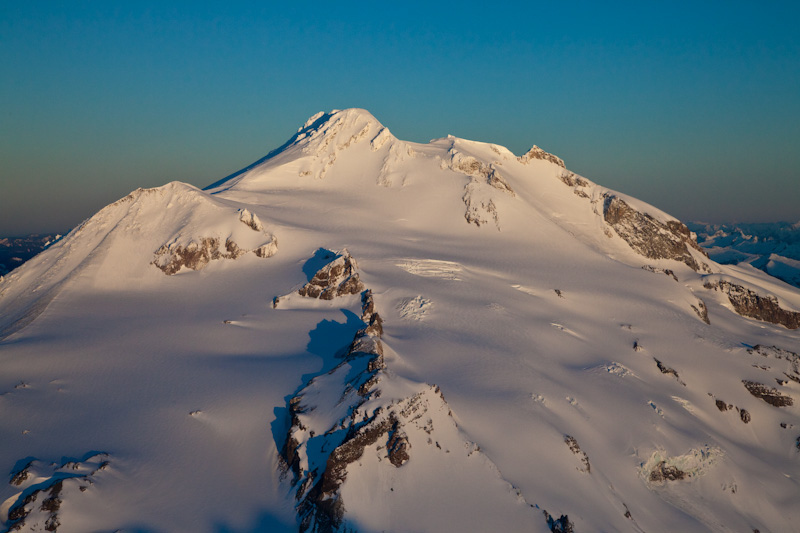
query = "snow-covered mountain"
x=362 y=333
x=771 y=247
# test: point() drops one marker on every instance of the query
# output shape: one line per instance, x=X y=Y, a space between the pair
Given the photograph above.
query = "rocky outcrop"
x=657 y=270
x=661 y=469
x=572 y=179
x=749 y=303
x=669 y=371
x=470 y=166
x=770 y=395
x=484 y=180
x=44 y=489
x=370 y=316
x=250 y=220
x=479 y=212
x=701 y=310
x=576 y=449
x=790 y=361
x=397 y=447
x=561 y=524
x=268 y=249
x=773 y=352
x=337 y=278
x=578 y=183
x=195 y=255
x=650 y=237
x=537 y=153
x=20 y=477
x=744 y=415
x=663 y=472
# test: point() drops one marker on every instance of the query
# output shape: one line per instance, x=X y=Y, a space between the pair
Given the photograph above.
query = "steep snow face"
x=361 y=332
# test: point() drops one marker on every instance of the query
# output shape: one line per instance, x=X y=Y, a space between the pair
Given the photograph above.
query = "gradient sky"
x=693 y=107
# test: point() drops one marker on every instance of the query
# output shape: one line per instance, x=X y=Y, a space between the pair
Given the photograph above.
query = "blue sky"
x=693 y=107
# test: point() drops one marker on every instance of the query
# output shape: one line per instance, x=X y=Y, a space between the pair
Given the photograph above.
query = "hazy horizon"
x=696 y=115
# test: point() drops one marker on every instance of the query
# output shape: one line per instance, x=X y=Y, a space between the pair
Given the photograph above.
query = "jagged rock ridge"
x=650 y=237
x=321 y=507
x=340 y=415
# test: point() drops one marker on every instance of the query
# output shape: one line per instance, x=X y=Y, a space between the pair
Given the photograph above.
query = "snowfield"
x=362 y=333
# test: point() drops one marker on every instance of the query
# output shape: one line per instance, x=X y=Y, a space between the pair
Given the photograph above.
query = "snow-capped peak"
x=315 y=147
x=322 y=129
x=601 y=373
x=351 y=115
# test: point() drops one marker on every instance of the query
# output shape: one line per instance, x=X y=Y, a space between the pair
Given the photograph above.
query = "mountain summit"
x=362 y=333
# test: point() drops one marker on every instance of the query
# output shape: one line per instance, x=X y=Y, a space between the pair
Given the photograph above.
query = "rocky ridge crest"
x=650 y=237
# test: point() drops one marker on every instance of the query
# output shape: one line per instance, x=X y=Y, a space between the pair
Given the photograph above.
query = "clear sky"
x=693 y=107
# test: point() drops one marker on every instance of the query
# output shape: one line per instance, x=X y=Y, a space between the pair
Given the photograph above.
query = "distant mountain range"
x=16 y=250
x=771 y=247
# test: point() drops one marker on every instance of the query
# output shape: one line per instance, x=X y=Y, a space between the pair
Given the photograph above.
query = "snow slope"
x=549 y=354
